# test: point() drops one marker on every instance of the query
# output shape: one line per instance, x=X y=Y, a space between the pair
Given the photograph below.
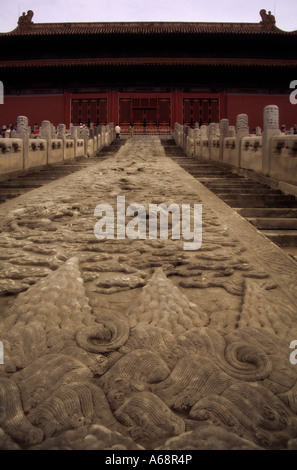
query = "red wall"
x=56 y=108
x=37 y=108
x=253 y=106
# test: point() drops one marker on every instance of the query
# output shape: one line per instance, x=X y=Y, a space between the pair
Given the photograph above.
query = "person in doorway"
x=283 y=129
x=117 y=131
x=131 y=131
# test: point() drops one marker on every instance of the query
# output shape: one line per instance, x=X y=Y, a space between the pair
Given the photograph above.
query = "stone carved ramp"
x=139 y=344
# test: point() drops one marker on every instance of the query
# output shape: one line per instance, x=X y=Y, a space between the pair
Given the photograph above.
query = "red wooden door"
x=201 y=110
x=87 y=111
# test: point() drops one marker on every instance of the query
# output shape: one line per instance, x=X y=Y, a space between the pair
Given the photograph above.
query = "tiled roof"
x=26 y=27
x=89 y=62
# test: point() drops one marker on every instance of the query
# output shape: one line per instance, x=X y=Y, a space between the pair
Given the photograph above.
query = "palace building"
x=149 y=74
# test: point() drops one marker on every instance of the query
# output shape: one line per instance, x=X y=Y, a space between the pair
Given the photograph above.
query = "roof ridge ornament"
x=268 y=20
x=26 y=19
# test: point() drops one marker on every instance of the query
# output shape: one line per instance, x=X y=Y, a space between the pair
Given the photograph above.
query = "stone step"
x=268 y=209
x=194 y=163
x=268 y=212
x=265 y=200
x=5 y=197
x=215 y=186
x=214 y=177
x=270 y=223
x=246 y=191
x=224 y=181
x=271 y=211
x=291 y=251
x=201 y=165
x=31 y=183
x=15 y=186
x=14 y=190
x=282 y=237
x=211 y=173
x=66 y=170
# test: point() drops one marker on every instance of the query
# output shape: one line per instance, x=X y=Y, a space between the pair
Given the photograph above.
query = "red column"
x=113 y=107
x=223 y=105
x=177 y=108
x=67 y=109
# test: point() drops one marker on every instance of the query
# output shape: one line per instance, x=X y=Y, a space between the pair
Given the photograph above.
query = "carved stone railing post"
x=212 y=130
x=95 y=140
x=231 y=131
x=62 y=135
x=103 y=132
x=204 y=151
x=99 y=137
x=53 y=131
x=85 y=136
x=175 y=132
x=185 y=135
x=23 y=133
x=224 y=132
x=242 y=130
x=178 y=134
x=45 y=132
x=110 y=129
x=92 y=136
x=73 y=135
x=196 y=137
x=258 y=131
x=203 y=131
x=190 y=143
x=212 y=134
x=271 y=128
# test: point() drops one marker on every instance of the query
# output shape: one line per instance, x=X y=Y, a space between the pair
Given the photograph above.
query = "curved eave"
x=93 y=29
x=107 y=62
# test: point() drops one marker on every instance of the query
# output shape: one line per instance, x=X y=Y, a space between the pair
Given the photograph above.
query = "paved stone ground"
x=139 y=344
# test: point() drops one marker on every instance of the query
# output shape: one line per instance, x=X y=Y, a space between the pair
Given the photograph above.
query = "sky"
x=68 y=11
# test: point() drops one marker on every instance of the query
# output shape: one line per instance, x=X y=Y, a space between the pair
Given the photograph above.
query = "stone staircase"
x=14 y=186
x=269 y=210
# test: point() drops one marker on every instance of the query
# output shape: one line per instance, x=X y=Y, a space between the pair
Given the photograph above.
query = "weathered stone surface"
x=138 y=344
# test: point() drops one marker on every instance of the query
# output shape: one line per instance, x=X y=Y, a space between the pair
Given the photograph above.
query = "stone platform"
x=140 y=344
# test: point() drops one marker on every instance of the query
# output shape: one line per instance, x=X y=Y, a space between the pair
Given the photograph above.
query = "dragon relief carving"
x=148 y=375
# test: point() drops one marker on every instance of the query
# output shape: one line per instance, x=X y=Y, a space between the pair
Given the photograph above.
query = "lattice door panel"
x=200 y=110
x=87 y=111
